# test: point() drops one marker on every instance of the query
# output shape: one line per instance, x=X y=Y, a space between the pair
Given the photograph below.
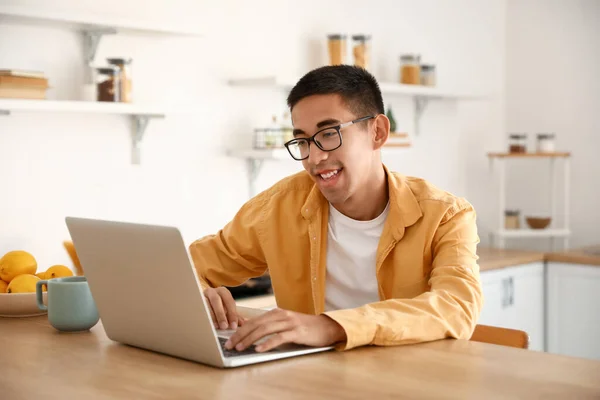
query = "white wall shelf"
x=92 y=25
x=421 y=95
x=81 y=20
x=501 y=159
x=140 y=116
x=523 y=233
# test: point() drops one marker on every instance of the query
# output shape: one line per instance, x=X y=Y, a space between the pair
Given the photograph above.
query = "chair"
x=501 y=336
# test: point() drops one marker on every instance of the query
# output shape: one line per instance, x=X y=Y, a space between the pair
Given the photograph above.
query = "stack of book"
x=18 y=84
x=398 y=139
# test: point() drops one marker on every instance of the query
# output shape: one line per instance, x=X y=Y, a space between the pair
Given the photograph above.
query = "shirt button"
x=315 y=279
x=314 y=238
x=306 y=210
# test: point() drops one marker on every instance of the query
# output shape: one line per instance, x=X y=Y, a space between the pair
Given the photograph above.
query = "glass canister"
x=410 y=69
x=545 y=143
x=428 y=75
x=108 y=84
x=361 y=50
x=336 y=43
x=511 y=219
x=517 y=143
x=124 y=66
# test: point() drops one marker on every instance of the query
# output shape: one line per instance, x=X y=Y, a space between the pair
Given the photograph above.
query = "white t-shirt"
x=351 y=252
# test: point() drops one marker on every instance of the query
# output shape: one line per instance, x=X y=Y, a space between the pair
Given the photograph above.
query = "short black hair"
x=357 y=87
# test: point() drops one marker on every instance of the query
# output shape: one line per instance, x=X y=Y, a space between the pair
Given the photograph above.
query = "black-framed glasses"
x=327 y=139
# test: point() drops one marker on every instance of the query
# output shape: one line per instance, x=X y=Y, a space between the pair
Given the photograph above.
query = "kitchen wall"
x=53 y=165
x=552 y=64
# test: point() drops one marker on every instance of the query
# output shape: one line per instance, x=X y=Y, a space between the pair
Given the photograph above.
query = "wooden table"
x=37 y=362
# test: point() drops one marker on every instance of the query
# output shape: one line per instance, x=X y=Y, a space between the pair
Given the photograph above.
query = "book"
x=22 y=73
x=22 y=93
x=23 y=82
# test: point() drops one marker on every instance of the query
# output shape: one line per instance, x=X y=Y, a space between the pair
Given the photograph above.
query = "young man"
x=357 y=255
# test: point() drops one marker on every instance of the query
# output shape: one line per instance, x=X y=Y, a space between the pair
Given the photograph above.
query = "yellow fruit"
x=41 y=275
x=16 y=263
x=3 y=286
x=23 y=284
x=58 y=271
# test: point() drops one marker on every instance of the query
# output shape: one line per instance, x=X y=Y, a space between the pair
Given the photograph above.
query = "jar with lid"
x=337 y=48
x=428 y=75
x=108 y=84
x=545 y=143
x=361 y=50
x=410 y=69
x=124 y=66
x=511 y=219
x=517 y=143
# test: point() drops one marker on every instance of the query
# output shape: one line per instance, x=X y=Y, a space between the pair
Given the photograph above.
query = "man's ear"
x=381 y=127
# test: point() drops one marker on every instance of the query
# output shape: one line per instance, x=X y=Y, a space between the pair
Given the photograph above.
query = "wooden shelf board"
x=530 y=155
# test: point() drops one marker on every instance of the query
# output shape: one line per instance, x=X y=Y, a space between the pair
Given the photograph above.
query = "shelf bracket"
x=140 y=123
x=420 y=105
x=254 y=166
x=91 y=40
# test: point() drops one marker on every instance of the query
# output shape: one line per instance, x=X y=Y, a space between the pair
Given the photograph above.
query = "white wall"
x=553 y=60
x=57 y=165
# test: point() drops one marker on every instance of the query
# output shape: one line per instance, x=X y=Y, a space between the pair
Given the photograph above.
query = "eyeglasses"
x=327 y=139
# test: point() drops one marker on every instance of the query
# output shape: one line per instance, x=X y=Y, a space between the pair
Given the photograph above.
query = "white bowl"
x=20 y=305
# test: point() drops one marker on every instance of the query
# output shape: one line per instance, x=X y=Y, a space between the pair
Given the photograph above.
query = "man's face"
x=341 y=172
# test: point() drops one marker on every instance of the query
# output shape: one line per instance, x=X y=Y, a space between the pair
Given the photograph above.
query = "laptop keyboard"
x=234 y=353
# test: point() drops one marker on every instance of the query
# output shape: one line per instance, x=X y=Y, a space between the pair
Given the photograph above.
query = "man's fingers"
x=261 y=331
x=251 y=324
x=230 y=307
x=288 y=336
x=217 y=306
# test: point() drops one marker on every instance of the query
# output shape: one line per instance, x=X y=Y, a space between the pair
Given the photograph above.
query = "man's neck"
x=371 y=201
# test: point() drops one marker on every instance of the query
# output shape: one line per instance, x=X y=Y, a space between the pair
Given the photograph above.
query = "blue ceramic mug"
x=71 y=306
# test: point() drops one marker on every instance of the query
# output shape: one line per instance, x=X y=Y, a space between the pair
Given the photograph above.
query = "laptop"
x=148 y=294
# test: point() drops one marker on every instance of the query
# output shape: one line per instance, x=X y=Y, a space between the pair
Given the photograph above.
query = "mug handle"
x=39 y=295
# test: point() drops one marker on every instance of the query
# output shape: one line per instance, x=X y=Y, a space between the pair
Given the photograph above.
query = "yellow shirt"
x=426 y=264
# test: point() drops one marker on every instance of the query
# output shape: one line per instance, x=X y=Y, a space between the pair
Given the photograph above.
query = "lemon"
x=58 y=271
x=15 y=263
x=24 y=283
x=3 y=286
x=41 y=275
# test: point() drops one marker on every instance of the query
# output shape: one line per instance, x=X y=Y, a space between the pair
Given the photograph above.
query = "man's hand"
x=222 y=308
x=286 y=327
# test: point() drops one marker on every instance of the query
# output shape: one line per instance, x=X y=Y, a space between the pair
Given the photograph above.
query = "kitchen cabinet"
x=514 y=298
x=573 y=314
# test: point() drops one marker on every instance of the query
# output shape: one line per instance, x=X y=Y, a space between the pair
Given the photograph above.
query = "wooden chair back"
x=501 y=336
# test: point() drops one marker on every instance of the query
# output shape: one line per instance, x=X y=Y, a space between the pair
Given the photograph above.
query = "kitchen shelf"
x=17 y=105
x=421 y=95
x=93 y=26
x=140 y=115
x=520 y=233
x=81 y=20
x=530 y=155
x=501 y=159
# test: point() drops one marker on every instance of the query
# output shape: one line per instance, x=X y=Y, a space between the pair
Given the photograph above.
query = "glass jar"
x=511 y=219
x=517 y=143
x=361 y=50
x=108 y=84
x=428 y=75
x=337 y=49
x=410 y=69
x=124 y=66
x=545 y=143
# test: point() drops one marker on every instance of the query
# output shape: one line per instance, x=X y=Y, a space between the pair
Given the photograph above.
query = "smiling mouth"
x=329 y=174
